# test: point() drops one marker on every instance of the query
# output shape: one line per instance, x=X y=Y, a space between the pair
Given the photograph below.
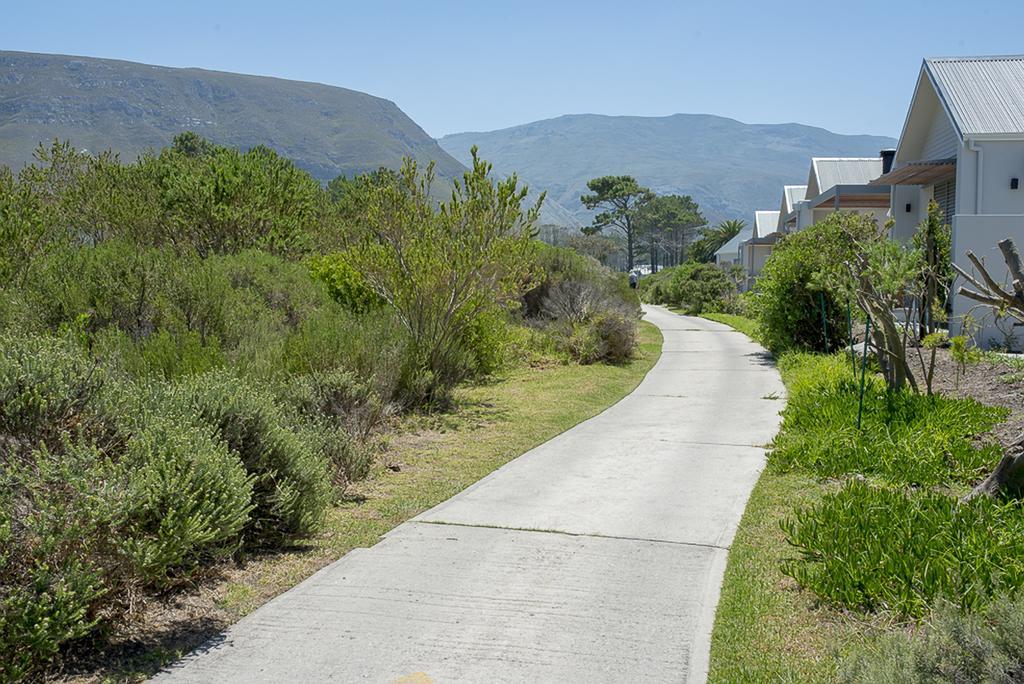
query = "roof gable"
x=983 y=95
x=733 y=245
x=765 y=223
x=828 y=172
x=791 y=194
x=977 y=96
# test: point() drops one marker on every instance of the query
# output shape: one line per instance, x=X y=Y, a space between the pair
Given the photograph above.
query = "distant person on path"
x=633 y=277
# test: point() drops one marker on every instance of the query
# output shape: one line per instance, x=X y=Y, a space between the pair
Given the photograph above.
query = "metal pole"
x=863 y=371
x=849 y=327
x=824 y=319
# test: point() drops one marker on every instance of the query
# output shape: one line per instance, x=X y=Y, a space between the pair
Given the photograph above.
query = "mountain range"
x=730 y=168
x=101 y=104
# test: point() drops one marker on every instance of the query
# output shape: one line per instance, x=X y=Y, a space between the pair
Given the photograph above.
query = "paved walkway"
x=596 y=557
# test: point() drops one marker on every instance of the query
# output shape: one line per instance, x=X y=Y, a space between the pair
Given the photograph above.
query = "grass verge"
x=766 y=628
x=769 y=628
x=747 y=326
x=430 y=458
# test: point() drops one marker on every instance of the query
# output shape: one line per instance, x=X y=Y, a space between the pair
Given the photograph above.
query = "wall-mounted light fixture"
x=908 y=207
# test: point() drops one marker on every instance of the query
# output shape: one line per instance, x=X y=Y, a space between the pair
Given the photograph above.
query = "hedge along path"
x=596 y=556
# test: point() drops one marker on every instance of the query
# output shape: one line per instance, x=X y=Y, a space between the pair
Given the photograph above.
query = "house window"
x=945 y=196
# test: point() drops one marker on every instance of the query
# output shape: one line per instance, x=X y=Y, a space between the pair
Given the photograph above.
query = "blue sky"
x=456 y=66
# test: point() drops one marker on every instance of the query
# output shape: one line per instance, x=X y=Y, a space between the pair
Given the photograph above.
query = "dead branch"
x=991 y=293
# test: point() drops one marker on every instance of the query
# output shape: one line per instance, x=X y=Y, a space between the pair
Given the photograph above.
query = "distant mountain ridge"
x=730 y=168
x=131 y=107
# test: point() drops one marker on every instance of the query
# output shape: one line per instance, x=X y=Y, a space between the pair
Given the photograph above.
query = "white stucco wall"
x=906 y=223
x=1001 y=161
x=980 y=234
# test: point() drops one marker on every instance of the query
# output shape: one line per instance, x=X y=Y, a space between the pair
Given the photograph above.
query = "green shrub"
x=487 y=340
x=56 y=531
x=99 y=497
x=874 y=548
x=291 y=488
x=952 y=646
x=340 y=396
x=905 y=438
x=607 y=337
x=163 y=354
x=113 y=284
x=349 y=457
x=695 y=287
x=441 y=267
x=46 y=387
x=653 y=288
x=345 y=283
x=701 y=288
x=186 y=500
x=553 y=266
x=789 y=299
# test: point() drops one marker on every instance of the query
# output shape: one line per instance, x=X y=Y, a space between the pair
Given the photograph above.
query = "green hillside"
x=130 y=107
x=729 y=167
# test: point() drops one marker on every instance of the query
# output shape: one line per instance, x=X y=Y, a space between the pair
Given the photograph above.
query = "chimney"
x=887 y=158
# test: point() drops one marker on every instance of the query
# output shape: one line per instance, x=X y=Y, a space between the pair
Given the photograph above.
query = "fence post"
x=863 y=371
x=824 y=320
x=849 y=328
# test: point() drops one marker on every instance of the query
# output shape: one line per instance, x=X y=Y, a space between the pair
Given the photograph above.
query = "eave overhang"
x=923 y=172
x=869 y=196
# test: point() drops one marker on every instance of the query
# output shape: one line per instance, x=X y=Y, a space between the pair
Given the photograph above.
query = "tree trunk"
x=1008 y=477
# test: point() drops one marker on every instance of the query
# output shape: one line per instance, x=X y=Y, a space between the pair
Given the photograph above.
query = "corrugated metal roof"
x=985 y=95
x=765 y=222
x=733 y=246
x=829 y=172
x=792 y=194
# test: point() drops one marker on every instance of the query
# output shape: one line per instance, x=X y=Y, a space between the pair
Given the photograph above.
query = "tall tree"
x=667 y=223
x=711 y=239
x=619 y=197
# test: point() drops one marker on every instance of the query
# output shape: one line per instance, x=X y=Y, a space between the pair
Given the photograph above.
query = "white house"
x=756 y=249
x=840 y=184
x=729 y=253
x=793 y=203
x=963 y=146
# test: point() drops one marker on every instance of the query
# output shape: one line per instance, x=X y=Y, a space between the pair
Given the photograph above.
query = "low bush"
x=653 y=288
x=338 y=395
x=556 y=267
x=696 y=288
x=46 y=390
x=608 y=337
x=904 y=438
x=790 y=292
x=876 y=548
x=186 y=500
x=99 y=498
x=291 y=487
x=56 y=555
x=588 y=311
x=952 y=646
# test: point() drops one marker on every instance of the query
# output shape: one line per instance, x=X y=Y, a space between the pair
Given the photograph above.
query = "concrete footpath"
x=596 y=557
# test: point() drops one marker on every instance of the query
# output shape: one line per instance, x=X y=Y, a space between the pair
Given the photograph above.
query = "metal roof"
x=827 y=172
x=984 y=95
x=733 y=246
x=766 y=222
x=792 y=194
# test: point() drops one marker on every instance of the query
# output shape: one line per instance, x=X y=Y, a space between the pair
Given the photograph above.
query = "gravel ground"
x=995 y=380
